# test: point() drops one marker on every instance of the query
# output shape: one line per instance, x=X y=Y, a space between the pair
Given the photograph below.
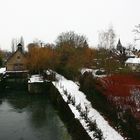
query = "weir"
x=14 y=80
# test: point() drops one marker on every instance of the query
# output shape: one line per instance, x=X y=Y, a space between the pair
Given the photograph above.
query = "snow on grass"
x=68 y=88
x=94 y=72
x=2 y=70
x=36 y=79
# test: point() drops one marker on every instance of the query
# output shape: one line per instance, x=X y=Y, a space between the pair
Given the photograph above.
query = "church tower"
x=20 y=47
x=119 y=46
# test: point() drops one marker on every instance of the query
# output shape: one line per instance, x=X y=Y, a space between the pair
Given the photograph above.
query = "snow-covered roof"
x=130 y=53
x=133 y=61
x=35 y=79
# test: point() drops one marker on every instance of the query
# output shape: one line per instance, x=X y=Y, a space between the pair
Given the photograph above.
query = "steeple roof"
x=20 y=47
x=119 y=45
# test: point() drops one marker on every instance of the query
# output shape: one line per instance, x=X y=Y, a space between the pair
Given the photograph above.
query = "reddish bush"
x=122 y=91
x=119 y=85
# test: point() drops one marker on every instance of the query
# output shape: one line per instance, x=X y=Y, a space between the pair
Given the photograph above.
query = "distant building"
x=119 y=46
x=128 y=53
x=133 y=63
x=17 y=61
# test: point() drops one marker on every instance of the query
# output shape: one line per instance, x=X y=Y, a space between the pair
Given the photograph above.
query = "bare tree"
x=107 y=38
x=71 y=39
x=103 y=37
x=21 y=41
x=111 y=37
x=14 y=44
x=136 y=30
x=39 y=42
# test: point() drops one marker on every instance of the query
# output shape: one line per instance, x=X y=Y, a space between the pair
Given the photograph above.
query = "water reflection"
x=24 y=117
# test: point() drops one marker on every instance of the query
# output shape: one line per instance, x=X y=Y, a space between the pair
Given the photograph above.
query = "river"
x=29 y=117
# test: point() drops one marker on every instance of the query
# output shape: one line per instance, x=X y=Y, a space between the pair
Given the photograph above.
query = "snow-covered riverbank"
x=70 y=91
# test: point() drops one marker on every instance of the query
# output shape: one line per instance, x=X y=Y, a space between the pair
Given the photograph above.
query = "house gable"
x=17 y=62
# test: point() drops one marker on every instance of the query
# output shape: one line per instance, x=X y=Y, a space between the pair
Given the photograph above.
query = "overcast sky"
x=46 y=19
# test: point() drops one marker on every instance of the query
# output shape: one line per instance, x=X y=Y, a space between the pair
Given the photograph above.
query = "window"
x=18 y=57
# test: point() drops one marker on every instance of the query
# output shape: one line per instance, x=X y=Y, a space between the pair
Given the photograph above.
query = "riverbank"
x=73 y=125
x=71 y=94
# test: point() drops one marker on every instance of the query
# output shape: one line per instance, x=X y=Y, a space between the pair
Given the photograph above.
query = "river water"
x=29 y=117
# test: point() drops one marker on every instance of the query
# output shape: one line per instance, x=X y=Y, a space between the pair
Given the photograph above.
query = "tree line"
x=71 y=53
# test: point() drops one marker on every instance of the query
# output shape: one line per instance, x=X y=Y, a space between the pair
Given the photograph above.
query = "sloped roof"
x=133 y=61
x=19 y=45
x=15 y=53
x=129 y=53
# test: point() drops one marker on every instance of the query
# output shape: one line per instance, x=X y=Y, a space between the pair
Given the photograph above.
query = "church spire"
x=119 y=45
x=20 y=47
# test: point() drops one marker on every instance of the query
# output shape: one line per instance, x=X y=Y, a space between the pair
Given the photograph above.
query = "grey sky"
x=45 y=19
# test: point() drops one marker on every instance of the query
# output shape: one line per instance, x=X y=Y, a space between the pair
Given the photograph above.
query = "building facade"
x=17 y=61
x=133 y=63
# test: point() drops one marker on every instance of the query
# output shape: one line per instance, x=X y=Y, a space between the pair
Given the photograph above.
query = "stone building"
x=17 y=61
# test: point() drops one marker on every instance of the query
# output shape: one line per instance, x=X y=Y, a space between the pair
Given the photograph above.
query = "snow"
x=49 y=72
x=83 y=70
x=68 y=87
x=129 y=53
x=36 y=79
x=2 y=70
x=133 y=61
